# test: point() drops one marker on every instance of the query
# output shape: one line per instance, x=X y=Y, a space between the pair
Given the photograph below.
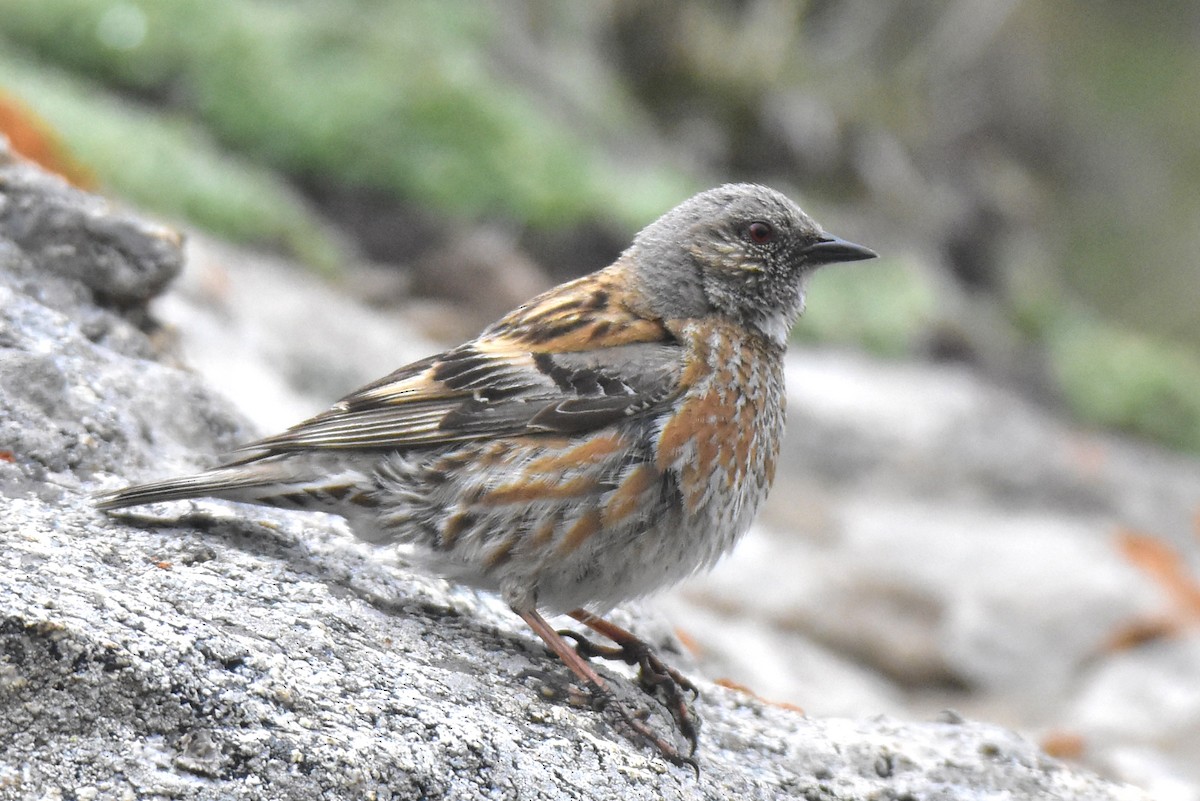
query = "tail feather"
x=230 y=483
x=309 y=484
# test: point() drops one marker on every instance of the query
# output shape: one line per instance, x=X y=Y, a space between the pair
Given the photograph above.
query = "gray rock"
x=257 y=654
x=483 y=273
x=121 y=258
x=283 y=360
x=210 y=651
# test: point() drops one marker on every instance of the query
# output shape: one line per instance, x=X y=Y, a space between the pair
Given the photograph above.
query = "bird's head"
x=740 y=250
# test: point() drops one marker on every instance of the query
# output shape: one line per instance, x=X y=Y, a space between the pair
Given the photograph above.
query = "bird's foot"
x=656 y=677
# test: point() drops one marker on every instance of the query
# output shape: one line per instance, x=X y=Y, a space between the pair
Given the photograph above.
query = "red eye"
x=760 y=232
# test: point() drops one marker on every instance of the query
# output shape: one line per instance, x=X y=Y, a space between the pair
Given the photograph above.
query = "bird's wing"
x=570 y=361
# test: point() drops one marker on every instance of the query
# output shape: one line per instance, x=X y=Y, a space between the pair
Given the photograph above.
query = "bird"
x=607 y=439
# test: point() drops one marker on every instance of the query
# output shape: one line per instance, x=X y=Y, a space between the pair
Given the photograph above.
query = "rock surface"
x=210 y=651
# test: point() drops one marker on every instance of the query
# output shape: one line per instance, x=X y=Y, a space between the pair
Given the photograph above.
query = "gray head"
x=740 y=250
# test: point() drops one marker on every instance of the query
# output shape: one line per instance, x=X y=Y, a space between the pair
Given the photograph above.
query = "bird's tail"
x=280 y=483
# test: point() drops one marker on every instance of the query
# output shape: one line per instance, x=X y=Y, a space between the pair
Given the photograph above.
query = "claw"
x=589 y=649
x=656 y=678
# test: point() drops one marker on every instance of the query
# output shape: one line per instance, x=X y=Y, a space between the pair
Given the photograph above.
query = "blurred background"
x=1028 y=171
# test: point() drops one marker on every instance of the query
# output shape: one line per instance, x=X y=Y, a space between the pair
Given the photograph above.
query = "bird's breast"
x=722 y=439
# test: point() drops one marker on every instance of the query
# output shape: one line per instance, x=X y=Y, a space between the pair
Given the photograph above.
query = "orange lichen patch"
x=1140 y=632
x=627 y=497
x=730 y=684
x=1168 y=569
x=1064 y=745
x=590 y=450
x=1164 y=564
x=689 y=642
x=540 y=489
x=587 y=525
x=7 y=456
x=789 y=706
x=33 y=138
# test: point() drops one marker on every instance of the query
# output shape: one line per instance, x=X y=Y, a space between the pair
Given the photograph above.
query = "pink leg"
x=573 y=658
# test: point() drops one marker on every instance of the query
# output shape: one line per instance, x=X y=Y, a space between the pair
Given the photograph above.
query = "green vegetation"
x=170 y=166
x=883 y=306
x=1121 y=379
x=400 y=97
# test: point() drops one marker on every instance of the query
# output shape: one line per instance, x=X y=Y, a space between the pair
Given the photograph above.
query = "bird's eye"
x=760 y=232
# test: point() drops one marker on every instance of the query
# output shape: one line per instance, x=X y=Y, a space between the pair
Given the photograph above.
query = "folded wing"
x=512 y=381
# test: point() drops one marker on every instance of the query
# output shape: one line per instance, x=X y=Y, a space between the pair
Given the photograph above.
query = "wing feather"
x=606 y=364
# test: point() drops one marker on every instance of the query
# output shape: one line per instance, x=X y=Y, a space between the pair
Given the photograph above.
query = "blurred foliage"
x=990 y=139
x=882 y=306
x=171 y=166
x=396 y=96
x=1119 y=378
x=1125 y=86
x=35 y=139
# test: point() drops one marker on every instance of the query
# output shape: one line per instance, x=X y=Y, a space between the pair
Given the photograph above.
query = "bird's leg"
x=604 y=694
x=653 y=673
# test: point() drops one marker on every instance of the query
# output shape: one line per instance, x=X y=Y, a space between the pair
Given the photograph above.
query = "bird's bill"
x=832 y=249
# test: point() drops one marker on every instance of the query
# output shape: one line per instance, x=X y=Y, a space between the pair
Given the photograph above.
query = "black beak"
x=830 y=250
